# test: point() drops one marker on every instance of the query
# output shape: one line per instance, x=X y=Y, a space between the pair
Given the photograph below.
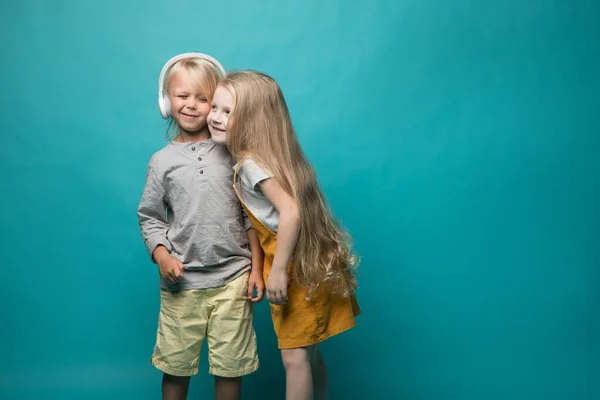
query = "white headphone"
x=164 y=104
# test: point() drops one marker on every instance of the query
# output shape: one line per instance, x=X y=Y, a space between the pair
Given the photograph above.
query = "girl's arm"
x=287 y=236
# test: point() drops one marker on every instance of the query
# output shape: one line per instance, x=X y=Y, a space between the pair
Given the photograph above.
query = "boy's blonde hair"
x=206 y=78
x=260 y=126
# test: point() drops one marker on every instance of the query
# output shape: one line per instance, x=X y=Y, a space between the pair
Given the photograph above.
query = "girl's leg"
x=319 y=374
x=175 y=387
x=299 y=384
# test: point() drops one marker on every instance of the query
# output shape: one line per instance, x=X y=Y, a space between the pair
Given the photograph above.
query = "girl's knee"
x=293 y=358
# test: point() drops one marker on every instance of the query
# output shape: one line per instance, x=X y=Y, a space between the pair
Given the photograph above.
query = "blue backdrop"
x=457 y=141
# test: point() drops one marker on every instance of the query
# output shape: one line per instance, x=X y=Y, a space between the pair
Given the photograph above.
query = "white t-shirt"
x=250 y=175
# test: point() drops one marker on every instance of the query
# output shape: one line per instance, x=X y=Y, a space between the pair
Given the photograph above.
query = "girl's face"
x=189 y=107
x=221 y=108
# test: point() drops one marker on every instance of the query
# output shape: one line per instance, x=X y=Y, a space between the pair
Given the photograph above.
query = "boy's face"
x=221 y=108
x=189 y=107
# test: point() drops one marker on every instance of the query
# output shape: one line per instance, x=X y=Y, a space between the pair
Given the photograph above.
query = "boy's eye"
x=181 y=96
x=203 y=99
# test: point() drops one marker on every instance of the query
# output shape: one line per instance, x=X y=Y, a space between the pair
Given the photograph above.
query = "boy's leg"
x=175 y=387
x=298 y=383
x=228 y=388
x=231 y=339
x=182 y=325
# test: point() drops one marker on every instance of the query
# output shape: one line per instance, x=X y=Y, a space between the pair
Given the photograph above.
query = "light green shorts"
x=221 y=315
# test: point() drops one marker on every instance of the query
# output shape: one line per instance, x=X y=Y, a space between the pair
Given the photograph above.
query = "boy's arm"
x=256 y=280
x=151 y=215
x=154 y=226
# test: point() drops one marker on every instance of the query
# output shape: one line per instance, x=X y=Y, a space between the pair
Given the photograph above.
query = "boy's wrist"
x=256 y=269
x=160 y=253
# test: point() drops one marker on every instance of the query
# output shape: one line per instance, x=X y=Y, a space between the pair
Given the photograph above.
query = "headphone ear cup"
x=167 y=103
x=164 y=105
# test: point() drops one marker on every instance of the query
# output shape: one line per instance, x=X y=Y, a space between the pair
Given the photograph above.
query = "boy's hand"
x=169 y=267
x=256 y=281
x=277 y=286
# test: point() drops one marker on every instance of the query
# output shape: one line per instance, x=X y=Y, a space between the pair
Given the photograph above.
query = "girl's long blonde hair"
x=260 y=126
x=205 y=76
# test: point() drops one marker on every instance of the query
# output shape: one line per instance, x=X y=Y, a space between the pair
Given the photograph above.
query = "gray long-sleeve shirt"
x=189 y=206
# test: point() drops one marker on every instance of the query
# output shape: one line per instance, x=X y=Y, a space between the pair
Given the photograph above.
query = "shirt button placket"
x=201 y=152
x=201 y=171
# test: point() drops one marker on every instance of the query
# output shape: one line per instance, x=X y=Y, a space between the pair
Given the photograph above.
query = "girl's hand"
x=277 y=286
x=256 y=281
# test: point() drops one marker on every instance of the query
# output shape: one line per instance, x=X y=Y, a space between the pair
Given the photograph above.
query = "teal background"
x=457 y=140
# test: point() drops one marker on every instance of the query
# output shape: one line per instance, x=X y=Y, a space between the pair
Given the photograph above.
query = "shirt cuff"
x=247 y=223
x=153 y=242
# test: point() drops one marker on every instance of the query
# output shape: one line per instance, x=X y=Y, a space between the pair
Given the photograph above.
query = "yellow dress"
x=302 y=321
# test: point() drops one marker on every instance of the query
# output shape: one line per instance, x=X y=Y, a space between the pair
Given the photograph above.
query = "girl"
x=308 y=266
x=200 y=243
